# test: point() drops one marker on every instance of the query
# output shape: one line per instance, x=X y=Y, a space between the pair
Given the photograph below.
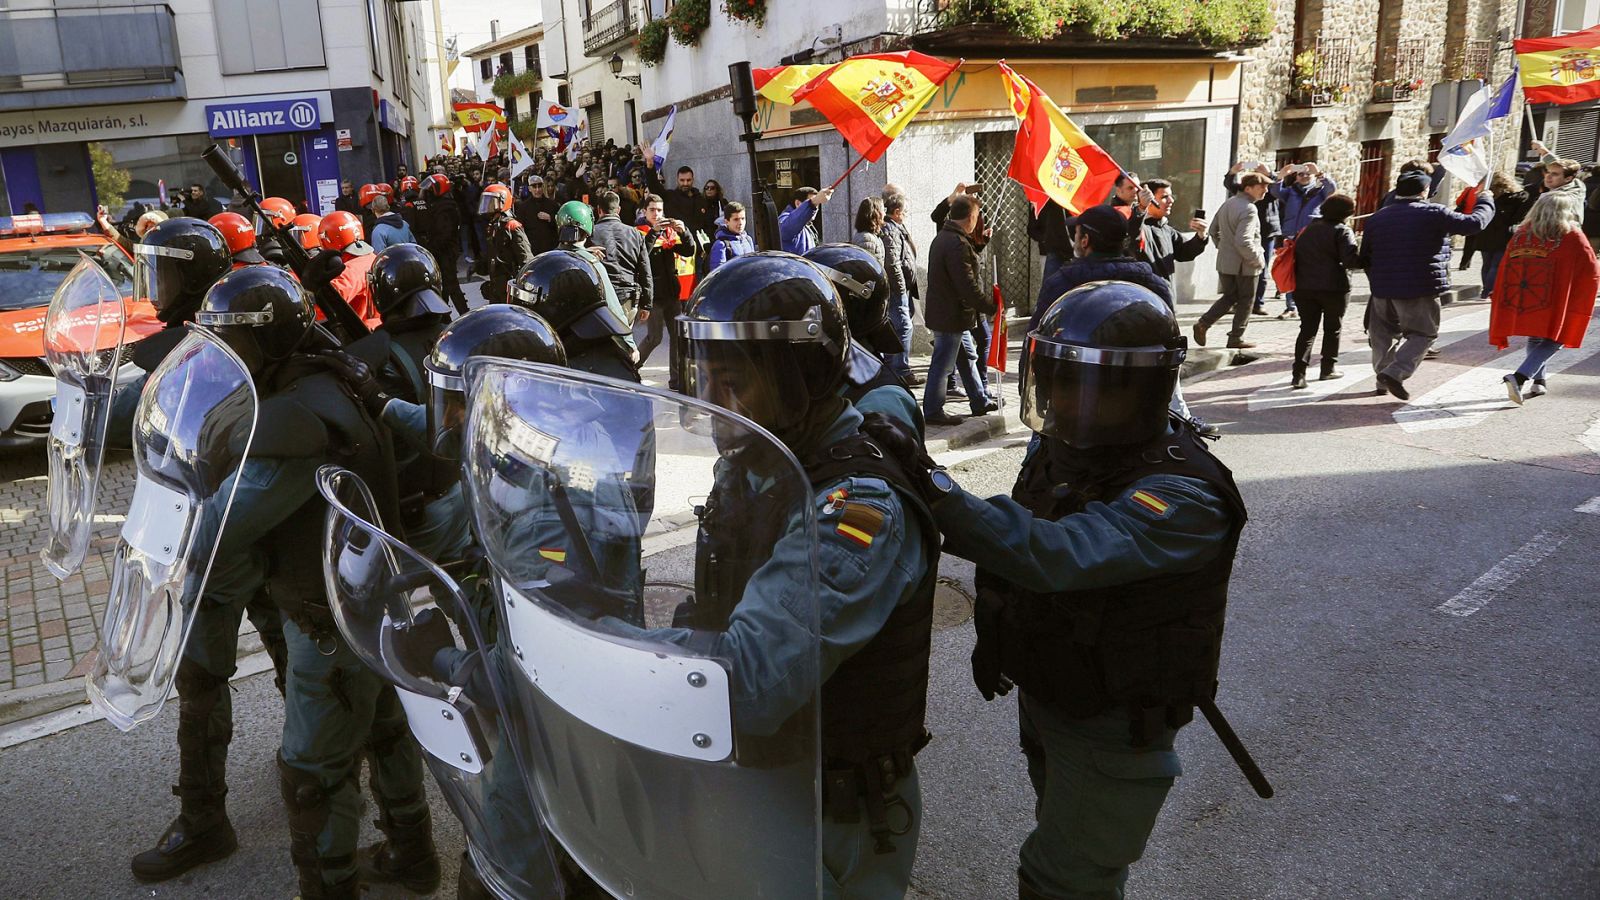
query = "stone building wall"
x=1268 y=123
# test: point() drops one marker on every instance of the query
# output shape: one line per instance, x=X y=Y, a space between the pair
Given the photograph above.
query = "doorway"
x=282 y=168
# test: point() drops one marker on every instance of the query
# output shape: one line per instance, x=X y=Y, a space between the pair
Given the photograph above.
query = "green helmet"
x=574 y=215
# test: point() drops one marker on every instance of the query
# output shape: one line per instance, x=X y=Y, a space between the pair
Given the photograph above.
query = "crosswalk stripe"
x=1505 y=573
x=1469 y=398
x=1357 y=364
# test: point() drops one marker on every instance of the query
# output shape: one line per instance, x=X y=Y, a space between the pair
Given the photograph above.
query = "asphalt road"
x=1416 y=753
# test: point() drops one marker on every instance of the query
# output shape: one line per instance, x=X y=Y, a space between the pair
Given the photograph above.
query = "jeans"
x=1326 y=310
x=1491 y=270
x=952 y=350
x=1539 y=352
x=900 y=321
x=1267 y=249
x=1235 y=297
x=980 y=343
x=1399 y=331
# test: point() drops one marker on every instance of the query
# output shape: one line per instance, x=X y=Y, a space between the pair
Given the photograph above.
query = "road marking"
x=1357 y=363
x=1469 y=398
x=1591 y=438
x=1504 y=574
x=1590 y=506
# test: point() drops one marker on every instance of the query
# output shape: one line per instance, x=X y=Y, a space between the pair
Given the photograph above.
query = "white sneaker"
x=1536 y=389
x=1513 y=390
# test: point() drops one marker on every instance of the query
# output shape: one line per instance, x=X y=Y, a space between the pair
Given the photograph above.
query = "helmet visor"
x=754 y=379
x=447 y=414
x=1088 y=397
x=488 y=202
x=158 y=274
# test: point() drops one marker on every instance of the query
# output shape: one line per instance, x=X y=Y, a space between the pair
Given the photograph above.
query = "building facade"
x=1323 y=89
x=508 y=71
x=108 y=101
x=580 y=39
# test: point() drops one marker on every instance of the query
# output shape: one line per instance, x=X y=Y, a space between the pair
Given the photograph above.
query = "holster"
x=847 y=787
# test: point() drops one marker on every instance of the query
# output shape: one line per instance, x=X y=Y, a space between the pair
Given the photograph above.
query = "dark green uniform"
x=508 y=252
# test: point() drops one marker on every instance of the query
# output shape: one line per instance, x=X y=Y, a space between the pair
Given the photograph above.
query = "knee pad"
x=306 y=800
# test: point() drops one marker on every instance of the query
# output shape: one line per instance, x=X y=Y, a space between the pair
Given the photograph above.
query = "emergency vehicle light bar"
x=45 y=223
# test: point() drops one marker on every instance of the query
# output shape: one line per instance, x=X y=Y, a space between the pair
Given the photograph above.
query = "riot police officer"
x=240 y=236
x=569 y=289
x=337 y=710
x=508 y=249
x=174 y=265
x=406 y=286
x=1102 y=581
x=766 y=336
x=438 y=227
x=869 y=384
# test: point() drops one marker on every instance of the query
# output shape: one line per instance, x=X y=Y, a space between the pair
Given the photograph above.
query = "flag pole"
x=841 y=178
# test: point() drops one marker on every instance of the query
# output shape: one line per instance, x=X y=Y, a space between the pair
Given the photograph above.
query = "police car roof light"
x=44 y=223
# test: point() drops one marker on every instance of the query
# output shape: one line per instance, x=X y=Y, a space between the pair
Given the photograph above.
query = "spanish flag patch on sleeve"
x=1151 y=502
x=860 y=523
x=553 y=554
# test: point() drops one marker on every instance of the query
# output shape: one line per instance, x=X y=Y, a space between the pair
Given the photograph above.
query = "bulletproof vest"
x=151 y=351
x=874 y=704
x=423 y=476
x=355 y=441
x=600 y=356
x=1150 y=646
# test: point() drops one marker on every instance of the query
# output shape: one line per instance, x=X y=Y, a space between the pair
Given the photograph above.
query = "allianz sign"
x=267 y=117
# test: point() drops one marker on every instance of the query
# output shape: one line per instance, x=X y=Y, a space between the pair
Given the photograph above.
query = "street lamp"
x=616 y=69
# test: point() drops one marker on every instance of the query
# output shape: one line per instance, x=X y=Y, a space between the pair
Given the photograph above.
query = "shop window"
x=785 y=170
x=267 y=37
x=174 y=160
x=1175 y=151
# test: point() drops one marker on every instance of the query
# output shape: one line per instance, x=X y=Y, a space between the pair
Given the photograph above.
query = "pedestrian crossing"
x=1471 y=397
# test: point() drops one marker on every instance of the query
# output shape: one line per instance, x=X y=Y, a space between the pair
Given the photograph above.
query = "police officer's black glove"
x=986 y=621
x=322 y=270
x=906 y=447
x=359 y=376
x=415 y=647
x=487 y=290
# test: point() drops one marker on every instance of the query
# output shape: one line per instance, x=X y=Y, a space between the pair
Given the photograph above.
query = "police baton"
x=1241 y=756
x=337 y=311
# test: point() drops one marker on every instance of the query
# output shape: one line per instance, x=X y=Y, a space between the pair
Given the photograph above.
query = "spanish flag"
x=1053 y=158
x=779 y=83
x=872 y=98
x=478 y=116
x=1562 y=69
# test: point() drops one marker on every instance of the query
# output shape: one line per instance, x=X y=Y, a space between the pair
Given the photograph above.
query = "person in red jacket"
x=1545 y=289
x=340 y=233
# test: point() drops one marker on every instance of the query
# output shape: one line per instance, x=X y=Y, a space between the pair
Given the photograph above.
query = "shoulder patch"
x=1151 y=502
x=860 y=523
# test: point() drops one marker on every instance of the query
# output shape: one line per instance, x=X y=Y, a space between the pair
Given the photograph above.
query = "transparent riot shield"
x=191 y=435
x=83 y=334
x=413 y=625
x=655 y=561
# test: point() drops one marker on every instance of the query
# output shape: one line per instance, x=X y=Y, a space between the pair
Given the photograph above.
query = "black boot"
x=1298 y=382
x=348 y=889
x=405 y=856
x=201 y=833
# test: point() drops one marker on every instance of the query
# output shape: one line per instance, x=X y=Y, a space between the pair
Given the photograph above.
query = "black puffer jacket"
x=1322 y=255
x=1509 y=210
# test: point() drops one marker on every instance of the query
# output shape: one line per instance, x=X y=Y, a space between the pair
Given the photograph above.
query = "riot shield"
x=413 y=625
x=191 y=435
x=671 y=731
x=83 y=335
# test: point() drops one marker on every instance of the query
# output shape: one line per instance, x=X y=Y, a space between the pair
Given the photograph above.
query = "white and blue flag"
x=1465 y=151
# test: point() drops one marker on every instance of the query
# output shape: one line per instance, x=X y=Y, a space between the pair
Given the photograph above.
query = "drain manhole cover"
x=952 y=604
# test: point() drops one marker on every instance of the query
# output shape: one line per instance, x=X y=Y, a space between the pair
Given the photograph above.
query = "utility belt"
x=873 y=784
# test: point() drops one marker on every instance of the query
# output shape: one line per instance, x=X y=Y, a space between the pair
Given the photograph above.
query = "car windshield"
x=30 y=276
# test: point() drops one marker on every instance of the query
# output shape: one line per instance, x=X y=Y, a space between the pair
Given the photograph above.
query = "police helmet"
x=261 y=312
x=175 y=262
x=496 y=198
x=864 y=287
x=574 y=222
x=278 y=210
x=1101 y=366
x=765 y=335
x=569 y=291
x=501 y=330
x=338 y=230
x=237 y=231
x=406 y=284
x=435 y=185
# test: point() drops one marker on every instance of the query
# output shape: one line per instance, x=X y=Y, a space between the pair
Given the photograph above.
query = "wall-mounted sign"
x=290 y=159
x=263 y=117
x=342 y=135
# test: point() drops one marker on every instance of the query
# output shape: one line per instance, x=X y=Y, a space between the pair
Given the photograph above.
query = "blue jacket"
x=1298 y=204
x=727 y=245
x=391 y=229
x=1095 y=267
x=794 y=227
x=1405 y=247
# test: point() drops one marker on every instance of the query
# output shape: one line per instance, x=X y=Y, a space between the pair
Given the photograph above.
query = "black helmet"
x=174 y=264
x=406 y=284
x=778 y=320
x=262 y=312
x=864 y=287
x=1102 y=365
x=569 y=291
x=502 y=330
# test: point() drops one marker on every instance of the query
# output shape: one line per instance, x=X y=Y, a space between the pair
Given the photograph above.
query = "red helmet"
x=236 y=230
x=338 y=230
x=279 y=210
x=304 y=227
x=371 y=192
x=496 y=198
x=408 y=183
x=436 y=185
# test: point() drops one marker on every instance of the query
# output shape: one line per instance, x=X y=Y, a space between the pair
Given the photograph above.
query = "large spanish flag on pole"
x=478 y=116
x=779 y=83
x=872 y=98
x=1562 y=69
x=1053 y=158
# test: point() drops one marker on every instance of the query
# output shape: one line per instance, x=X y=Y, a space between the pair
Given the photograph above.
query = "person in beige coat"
x=1236 y=232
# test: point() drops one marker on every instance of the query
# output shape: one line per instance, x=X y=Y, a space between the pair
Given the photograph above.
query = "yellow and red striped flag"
x=779 y=83
x=1053 y=158
x=1561 y=70
x=478 y=116
x=872 y=98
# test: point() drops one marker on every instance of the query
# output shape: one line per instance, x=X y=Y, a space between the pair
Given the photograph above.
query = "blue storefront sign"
x=263 y=117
